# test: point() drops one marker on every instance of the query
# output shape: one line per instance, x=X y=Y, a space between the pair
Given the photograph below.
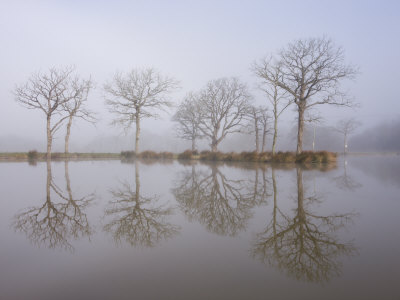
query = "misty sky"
x=193 y=41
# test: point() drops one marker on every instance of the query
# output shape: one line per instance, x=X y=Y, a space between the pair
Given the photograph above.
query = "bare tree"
x=270 y=73
x=223 y=105
x=76 y=107
x=48 y=92
x=258 y=124
x=136 y=95
x=264 y=121
x=312 y=70
x=188 y=119
x=347 y=127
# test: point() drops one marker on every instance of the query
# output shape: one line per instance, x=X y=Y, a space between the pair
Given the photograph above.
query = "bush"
x=149 y=155
x=166 y=155
x=187 y=154
x=128 y=154
x=33 y=155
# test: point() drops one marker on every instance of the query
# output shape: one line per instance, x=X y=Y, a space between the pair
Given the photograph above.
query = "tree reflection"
x=304 y=245
x=138 y=219
x=346 y=182
x=56 y=222
x=222 y=205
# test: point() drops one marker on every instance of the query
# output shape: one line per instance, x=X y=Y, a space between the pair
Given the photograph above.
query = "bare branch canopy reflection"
x=221 y=204
x=137 y=219
x=303 y=245
x=59 y=219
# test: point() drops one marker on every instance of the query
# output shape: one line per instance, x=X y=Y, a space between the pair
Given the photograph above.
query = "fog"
x=195 y=42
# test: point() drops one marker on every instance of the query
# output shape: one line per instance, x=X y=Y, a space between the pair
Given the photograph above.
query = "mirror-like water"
x=151 y=230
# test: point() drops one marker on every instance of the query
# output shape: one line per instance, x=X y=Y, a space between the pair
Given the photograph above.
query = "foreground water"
x=112 y=230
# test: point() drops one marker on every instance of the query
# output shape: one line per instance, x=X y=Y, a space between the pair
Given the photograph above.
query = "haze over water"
x=173 y=230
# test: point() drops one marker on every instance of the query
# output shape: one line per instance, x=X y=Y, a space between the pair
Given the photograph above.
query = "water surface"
x=151 y=230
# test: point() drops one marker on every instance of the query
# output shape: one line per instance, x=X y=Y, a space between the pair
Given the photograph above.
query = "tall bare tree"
x=347 y=127
x=48 y=92
x=223 y=105
x=76 y=107
x=137 y=95
x=270 y=73
x=312 y=70
x=188 y=119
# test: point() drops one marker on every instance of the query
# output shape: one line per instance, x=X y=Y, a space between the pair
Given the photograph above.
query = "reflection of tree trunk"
x=49 y=138
x=300 y=129
x=345 y=144
x=274 y=212
x=68 y=181
x=137 y=134
x=67 y=135
x=48 y=183
x=137 y=181
x=301 y=216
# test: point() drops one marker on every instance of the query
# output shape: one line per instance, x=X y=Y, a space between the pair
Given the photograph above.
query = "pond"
x=193 y=230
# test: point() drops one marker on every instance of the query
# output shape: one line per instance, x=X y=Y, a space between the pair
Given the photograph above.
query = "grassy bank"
x=307 y=157
x=40 y=156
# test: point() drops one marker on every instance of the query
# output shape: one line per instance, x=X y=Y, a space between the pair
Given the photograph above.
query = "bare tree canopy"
x=187 y=118
x=277 y=97
x=224 y=104
x=347 y=127
x=137 y=95
x=50 y=92
x=312 y=70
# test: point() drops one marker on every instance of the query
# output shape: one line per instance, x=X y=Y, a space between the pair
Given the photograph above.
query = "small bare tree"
x=258 y=124
x=223 y=105
x=312 y=70
x=264 y=121
x=347 y=127
x=76 y=107
x=270 y=73
x=48 y=92
x=136 y=95
x=188 y=119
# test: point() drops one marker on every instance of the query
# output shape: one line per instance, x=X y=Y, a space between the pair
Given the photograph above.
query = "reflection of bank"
x=59 y=220
x=223 y=205
x=303 y=245
x=137 y=219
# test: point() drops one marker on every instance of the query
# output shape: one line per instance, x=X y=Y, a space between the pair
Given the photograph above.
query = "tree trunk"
x=49 y=138
x=263 y=140
x=137 y=135
x=256 y=129
x=300 y=128
x=275 y=133
x=67 y=135
x=214 y=145
x=193 y=144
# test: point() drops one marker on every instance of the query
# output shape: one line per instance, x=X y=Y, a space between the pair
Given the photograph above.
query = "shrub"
x=187 y=154
x=149 y=155
x=128 y=154
x=32 y=155
x=166 y=155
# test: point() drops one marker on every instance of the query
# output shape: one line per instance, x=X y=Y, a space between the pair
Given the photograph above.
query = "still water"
x=151 y=230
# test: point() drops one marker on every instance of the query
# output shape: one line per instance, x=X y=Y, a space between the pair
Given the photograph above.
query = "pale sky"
x=193 y=41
